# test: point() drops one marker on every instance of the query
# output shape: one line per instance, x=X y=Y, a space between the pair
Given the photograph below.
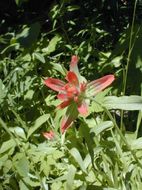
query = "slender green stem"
x=130 y=47
x=125 y=75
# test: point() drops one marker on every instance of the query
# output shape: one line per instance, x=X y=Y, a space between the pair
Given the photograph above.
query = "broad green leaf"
x=123 y=102
x=42 y=119
x=102 y=127
x=7 y=145
x=29 y=95
x=56 y=185
x=23 y=185
x=22 y=167
x=18 y=131
x=136 y=144
x=41 y=149
x=117 y=61
x=45 y=167
x=7 y=166
x=57 y=154
x=3 y=159
x=60 y=68
x=76 y=155
x=39 y=57
x=52 y=45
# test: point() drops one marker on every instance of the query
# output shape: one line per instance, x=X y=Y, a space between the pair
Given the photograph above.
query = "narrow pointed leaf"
x=75 y=153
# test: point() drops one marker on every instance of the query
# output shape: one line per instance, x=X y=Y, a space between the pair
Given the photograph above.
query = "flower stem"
x=125 y=74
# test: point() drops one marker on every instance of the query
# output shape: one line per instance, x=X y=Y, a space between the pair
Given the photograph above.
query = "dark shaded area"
x=29 y=12
x=114 y=15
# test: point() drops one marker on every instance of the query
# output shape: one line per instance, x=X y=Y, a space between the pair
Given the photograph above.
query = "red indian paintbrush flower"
x=49 y=135
x=75 y=91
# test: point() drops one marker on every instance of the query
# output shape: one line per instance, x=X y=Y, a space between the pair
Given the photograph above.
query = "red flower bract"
x=75 y=91
x=49 y=135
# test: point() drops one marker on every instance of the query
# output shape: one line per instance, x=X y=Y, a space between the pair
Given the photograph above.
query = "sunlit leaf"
x=39 y=57
x=102 y=127
x=76 y=155
x=23 y=185
x=70 y=177
x=10 y=144
x=22 y=167
x=123 y=102
x=52 y=45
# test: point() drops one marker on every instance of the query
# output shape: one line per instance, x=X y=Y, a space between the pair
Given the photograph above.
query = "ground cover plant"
x=70 y=95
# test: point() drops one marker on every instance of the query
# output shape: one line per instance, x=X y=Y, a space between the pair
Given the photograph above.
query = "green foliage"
x=102 y=151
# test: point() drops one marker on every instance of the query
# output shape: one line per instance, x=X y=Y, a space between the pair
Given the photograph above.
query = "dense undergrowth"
x=102 y=151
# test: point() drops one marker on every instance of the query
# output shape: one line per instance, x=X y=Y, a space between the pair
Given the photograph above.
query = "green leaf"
x=7 y=145
x=11 y=47
x=56 y=185
x=19 y=2
x=102 y=127
x=42 y=119
x=18 y=131
x=29 y=95
x=2 y=91
x=72 y=8
x=39 y=57
x=3 y=160
x=22 y=167
x=123 y=102
x=22 y=185
x=76 y=155
x=60 y=68
x=136 y=144
x=52 y=45
x=57 y=154
x=89 y=141
x=70 y=177
x=32 y=181
x=117 y=61
x=98 y=98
